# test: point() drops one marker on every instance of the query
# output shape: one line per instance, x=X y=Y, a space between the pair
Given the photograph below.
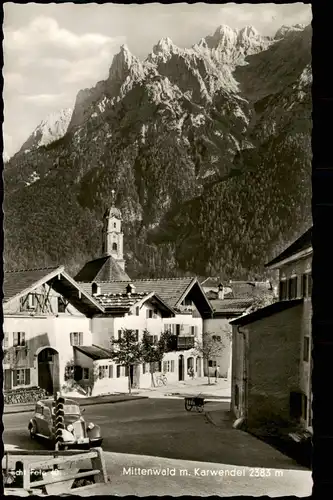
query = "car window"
x=72 y=410
x=46 y=412
x=39 y=409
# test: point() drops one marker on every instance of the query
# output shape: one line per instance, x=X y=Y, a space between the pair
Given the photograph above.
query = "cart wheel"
x=188 y=406
x=200 y=408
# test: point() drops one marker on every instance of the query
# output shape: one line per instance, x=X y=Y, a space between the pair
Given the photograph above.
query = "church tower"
x=112 y=234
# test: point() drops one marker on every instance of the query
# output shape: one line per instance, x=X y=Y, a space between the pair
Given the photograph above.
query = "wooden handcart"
x=196 y=402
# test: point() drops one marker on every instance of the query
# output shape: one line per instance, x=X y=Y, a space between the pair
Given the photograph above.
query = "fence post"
x=99 y=463
x=59 y=421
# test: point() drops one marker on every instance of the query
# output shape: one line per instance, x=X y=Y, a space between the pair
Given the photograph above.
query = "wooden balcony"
x=185 y=343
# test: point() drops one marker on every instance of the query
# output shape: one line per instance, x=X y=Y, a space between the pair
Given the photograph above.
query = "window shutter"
x=5 y=340
x=123 y=372
x=137 y=335
x=15 y=338
x=119 y=334
x=14 y=378
x=22 y=338
x=110 y=371
x=81 y=338
x=8 y=380
x=71 y=338
x=172 y=366
x=27 y=376
x=165 y=365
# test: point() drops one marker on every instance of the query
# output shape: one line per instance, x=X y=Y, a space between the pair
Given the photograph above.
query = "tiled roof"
x=247 y=289
x=231 y=306
x=102 y=269
x=119 y=300
x=169 y=289
x=305 y=241
x=94 y=352
x=17 y=281
x=264 y=312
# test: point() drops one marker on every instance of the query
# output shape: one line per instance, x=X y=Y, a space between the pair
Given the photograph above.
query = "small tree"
x=127 y=351
x=153 y=352
x=262 y=298
x=210 y=347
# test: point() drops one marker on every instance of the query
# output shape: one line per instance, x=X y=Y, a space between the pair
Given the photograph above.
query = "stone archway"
x=48 y=370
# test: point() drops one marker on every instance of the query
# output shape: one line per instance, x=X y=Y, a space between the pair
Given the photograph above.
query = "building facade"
x=271 y=375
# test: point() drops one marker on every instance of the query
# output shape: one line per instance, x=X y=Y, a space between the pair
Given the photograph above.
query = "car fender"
x=32 y=421
x=94 y=433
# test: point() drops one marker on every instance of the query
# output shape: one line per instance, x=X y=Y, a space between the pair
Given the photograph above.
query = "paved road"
x=162 y=428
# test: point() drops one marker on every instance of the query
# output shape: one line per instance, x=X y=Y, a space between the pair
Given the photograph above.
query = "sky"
x=51 y=51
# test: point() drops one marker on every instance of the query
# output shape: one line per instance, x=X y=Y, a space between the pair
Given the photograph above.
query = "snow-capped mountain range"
x=196 y=141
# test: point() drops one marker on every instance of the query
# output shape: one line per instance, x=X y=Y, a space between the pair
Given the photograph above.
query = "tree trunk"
x=129 y=382
x=152 y=375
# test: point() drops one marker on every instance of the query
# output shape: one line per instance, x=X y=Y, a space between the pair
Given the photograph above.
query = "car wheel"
x=33 y=431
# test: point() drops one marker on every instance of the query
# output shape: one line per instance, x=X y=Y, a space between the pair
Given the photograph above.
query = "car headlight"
x=70 y=428
x=91 y=426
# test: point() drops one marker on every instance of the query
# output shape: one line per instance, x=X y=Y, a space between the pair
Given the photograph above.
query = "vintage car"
x=77 y=432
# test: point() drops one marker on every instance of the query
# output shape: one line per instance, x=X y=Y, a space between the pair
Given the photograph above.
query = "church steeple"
x=112 y=234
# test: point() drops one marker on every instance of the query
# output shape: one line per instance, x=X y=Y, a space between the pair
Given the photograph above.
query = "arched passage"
x=48 y=370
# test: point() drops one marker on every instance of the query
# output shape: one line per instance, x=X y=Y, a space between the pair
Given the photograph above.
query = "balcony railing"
x=185 y=343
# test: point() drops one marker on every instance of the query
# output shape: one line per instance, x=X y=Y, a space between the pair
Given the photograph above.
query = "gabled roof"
x=230 y=306
x=94 y=352
x=122 y=302
x=102 y=269
x=264 y=312
x=301 y=244
x=171 y=290
x=19 y=283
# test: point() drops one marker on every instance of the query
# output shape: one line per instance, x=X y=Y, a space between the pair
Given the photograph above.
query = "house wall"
x=286 y=271
x=220 y=327
x=41 y=332
x=274 y=360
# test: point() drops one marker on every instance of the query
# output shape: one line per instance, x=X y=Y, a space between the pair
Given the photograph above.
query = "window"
x=136 y=335
x=177 y=329
x=149 y=313
x=211 y=363
x=118 y=371
x=5 y=340
x=76 y=338
x=293 y=288
x=126 y=371
x=306 y=348
x=187 y=302
x=103 y=371
x=21 y=376
x=18 y=339
x=137 y=311
x=114 y=246
x=85 y=373
x=110 y=371
x=172 y=367
x=143 y=368
x=119 y=334
x=114 y=224
x=61 y=305
x=283 y=290
x=39 y=409
x=167 y=365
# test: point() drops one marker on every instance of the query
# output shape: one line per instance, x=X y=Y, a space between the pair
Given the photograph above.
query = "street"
x=162 y=428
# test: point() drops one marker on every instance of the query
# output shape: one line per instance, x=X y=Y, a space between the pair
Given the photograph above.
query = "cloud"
x=42 y=99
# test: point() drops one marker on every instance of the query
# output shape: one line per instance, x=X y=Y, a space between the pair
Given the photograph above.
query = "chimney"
x=220 y=293
x=95 y=289
x=130 y=288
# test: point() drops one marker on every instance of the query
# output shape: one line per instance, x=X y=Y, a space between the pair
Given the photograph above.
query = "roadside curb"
x=28 y=409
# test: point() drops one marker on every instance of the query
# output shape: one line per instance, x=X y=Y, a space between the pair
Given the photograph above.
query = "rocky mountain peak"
x=122 y=63
x=284 y=30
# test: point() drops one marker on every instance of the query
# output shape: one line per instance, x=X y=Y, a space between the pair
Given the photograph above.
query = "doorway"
x=48 y=370
x=181 y=367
